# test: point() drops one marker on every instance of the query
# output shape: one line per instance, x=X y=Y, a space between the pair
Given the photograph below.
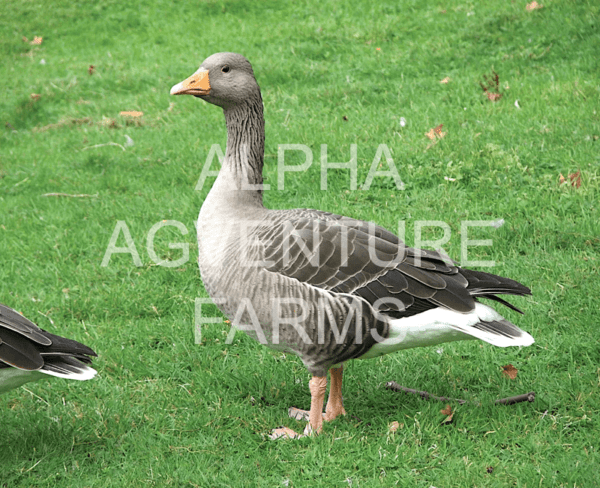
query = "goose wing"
x=24 y=345
x=351 y=256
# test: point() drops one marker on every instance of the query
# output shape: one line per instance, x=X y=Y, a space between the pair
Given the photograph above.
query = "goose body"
x=326 y=287
x=28 y=353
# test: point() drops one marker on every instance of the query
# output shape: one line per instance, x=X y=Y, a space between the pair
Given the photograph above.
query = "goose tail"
x=68 y=367
x=489 y=326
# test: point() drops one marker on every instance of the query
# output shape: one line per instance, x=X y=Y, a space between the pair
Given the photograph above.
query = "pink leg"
x=317 y=385
x=335 y=405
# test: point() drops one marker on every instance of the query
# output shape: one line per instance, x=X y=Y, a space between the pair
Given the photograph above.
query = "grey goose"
x=28 y=353
x=325 y=287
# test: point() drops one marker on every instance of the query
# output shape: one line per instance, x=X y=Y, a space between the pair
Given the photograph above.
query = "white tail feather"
x=440 y=325
x=84 y=373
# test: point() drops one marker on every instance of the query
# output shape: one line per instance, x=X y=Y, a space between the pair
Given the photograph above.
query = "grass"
x=167 y=412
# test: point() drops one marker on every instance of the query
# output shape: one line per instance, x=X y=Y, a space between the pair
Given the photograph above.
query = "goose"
x=325 y=287
x=28 y=353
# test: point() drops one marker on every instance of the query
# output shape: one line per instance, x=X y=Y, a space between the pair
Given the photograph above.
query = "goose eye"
x=225 y=69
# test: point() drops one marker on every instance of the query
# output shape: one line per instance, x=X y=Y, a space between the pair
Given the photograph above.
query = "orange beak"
x=197 y=84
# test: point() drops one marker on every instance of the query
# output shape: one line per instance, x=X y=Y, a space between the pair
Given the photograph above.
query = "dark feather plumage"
x=24 y=345
x=309 y=245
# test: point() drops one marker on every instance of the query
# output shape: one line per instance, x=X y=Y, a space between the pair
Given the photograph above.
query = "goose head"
x=223 y=79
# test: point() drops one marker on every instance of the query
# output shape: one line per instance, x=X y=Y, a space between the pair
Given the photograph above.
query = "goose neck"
x=245 y=145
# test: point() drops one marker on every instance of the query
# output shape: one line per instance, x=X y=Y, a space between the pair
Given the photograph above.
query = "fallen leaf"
x=91 y=69
x=446 y=80
x=491 y=88
x=394 y=426
x=510 y=371
x=447 y=410
x=36 y=40
x=35 y=96
x=131 y=113
x=25 y=39
x=449 y=413
x=561 y=179
x=438 y=131
x=490 y=469
x=494 y=97
x=533 y=6
x=575 y=179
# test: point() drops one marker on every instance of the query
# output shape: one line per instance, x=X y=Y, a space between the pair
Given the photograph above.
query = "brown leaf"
x=561 y=179
x=36 y=40
x=533 y=6
x=446 y=80
x=131 y=113
x=447 y=410
x=35 y=96
x=510 y=371
x=575 y=179
x=394 y=426
x=91 y=69
x=491 y=87
x=449 y=413
x=438 y=131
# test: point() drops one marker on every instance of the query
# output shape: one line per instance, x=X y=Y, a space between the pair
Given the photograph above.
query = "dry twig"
x=81 y=195
x=392 y=385
x=101 y=145
x=527 y=397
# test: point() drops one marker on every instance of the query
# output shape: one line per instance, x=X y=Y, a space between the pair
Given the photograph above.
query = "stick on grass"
x=392 y=385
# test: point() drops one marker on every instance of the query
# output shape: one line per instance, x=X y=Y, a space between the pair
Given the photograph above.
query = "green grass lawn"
x=165 y=411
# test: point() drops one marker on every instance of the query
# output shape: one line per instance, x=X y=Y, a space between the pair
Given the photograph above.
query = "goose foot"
x=297 y=414
x=315 y=416
x=317 y=385
x=283 y=432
